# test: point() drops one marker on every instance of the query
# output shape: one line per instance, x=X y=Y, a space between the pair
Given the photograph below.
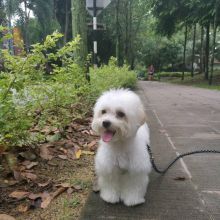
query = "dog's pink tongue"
x=107 y=136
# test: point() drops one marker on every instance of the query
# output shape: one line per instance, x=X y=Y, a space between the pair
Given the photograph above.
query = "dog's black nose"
x=106 y=124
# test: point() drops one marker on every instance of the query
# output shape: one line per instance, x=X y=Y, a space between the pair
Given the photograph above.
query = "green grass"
x=172 y=74
x=197 y=81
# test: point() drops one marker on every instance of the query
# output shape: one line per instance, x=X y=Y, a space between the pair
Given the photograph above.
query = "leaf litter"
x=34 y=174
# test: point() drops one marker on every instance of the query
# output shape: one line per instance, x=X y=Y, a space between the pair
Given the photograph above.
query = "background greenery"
x=30 y=98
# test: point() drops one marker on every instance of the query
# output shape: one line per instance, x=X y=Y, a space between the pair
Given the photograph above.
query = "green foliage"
x=112 y=76
x=158 y=50
x=30 y=98
x=198 y=81
x=25 y=90
x=6 y=36
x=172 y=74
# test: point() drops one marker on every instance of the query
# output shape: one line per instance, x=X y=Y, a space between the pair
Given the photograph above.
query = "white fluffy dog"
x=122 y=161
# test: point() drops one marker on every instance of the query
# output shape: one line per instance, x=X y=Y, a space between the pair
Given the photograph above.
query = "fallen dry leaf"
x=35 y=129
x=65 y=185
x=69 y=129
x=180 y=178
x=63 y=150
x=6 y=217
x=74 y=153
x=23 y=208
x=86 y=132
x=92 y=133
x=28 y=155
x=17 y=175
x=19 y=194
x=162 y=131
x=26 y=162
x=28 y=175
x=48 y=199
x=53 y=164
x=87 y=152
x=31 y=164
x=64 y=157
x=7 y=183
x=45 y=183
x=78 y=153
x=58 y=191
x=69 y=144
x=46 y=130
x=69 y=191
x=77 y=187
x=34 y=196
x=46 y=202
x=92 y=143
x=45 y=152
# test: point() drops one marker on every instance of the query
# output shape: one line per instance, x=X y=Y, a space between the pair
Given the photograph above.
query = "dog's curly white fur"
x=122 y=161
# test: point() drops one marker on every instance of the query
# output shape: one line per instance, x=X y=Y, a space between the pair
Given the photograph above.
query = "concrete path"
x=181 y=119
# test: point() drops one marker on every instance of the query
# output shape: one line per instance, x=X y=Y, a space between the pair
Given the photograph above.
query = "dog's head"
x=117 y=115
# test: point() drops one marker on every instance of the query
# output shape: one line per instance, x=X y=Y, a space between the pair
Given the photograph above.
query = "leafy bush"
x=30 y=99
x=111 y=76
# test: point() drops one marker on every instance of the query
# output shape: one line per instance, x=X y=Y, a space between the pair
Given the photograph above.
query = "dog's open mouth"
x=108 y=135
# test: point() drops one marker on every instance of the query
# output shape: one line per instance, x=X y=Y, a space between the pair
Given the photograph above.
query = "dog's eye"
x=120 y=114
x=103 y=111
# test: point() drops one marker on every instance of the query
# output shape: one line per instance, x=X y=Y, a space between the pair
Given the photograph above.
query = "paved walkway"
x=181 y=119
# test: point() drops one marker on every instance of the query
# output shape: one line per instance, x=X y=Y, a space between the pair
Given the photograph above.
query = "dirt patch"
x=54 y=188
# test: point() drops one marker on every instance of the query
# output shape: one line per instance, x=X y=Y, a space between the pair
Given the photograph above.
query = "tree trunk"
x=66 y=21
x=119 y=48
x=213 y=43
x=10 y=41
x=79 y=27
x=202 y=51
x=184 y=53
x=207 y=52
x=26 y=23
x=126 y=43
x=193 y=50
x=131 y=57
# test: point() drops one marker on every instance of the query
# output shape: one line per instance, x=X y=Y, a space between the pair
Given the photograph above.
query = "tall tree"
x=2 y=13
x=63 y=16
x=202 y=50
x=79 y=27
x=207 y=52
x=2 y=20
x=119 y=45
x=193 y=50
x=44 y=11
x=184 y=52
x=215 y=25
x=11 y=9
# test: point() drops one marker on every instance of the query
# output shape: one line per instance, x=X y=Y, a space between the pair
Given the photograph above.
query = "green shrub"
x=30 y=98
x=112 y=76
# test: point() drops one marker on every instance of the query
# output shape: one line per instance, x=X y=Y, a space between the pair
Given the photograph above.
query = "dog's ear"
x=142 y=116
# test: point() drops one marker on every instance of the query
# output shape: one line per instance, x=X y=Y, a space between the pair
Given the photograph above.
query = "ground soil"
x=77 y=174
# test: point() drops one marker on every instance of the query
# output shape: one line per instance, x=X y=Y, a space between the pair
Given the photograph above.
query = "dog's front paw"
x=133 y=201
x=109 y=196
